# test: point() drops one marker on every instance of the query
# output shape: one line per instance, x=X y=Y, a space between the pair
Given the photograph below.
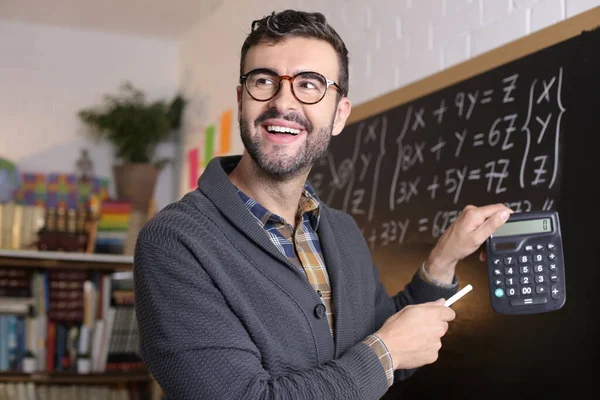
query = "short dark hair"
x=279 y=26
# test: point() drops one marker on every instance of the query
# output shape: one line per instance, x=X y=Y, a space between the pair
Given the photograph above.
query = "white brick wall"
x=578 y=6
x=408 y=39
x=546 y=13
x=414 y=38
x=391 y=42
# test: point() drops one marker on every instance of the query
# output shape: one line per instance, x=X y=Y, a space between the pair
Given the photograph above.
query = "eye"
x=310 y=82
x=264 y=81
x=307 y=85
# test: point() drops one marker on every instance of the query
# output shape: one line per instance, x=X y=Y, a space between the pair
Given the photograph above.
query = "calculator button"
x=551 y=256
x=526 y=290
x=524 y=269
x=499 y=292
x=540 y=279
x=497 y=272
x=553 y=278
x=509 y=271
x=538 y=268
x=552 y=267
x=550 y=246
x=538 y=258
x=524 y=259
x=541 y=289
x=539 y=247
x=524 y=301
x=498 y=282
x=509 y=260
x=511 y=281
x=555 y=291
x=525 y=280
x=511 y=291
x=496 y=261
x=529 y=247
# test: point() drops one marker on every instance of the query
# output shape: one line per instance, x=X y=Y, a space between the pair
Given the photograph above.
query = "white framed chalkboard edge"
x=531 y=43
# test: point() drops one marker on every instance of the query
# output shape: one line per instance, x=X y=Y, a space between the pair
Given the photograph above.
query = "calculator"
x=526 y=268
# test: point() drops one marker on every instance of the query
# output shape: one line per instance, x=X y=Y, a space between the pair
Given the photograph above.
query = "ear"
x=239 y=99
x=342 y=112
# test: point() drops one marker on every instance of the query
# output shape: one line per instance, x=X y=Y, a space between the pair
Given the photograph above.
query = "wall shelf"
x=79 y=379
x=64 y=260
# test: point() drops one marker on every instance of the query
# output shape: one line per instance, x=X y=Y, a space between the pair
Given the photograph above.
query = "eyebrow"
x=278 y=74
x=261 y=70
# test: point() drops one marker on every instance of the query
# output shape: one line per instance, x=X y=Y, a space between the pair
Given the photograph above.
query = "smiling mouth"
x=281 y=129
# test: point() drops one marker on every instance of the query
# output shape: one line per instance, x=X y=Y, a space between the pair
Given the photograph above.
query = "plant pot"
x=29 y=365
x=83 y=365
x=135 y=182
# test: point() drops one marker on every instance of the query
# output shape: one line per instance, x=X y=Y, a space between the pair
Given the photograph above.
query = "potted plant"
x=29 y=363
x=135 y=127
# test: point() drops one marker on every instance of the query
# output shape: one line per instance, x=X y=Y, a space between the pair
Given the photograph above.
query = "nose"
x=285 y=100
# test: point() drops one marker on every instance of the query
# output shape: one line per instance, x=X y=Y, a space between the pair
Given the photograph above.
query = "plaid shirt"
x=303 y=249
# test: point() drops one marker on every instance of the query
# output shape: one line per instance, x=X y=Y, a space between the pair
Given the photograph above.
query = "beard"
x=279 y=164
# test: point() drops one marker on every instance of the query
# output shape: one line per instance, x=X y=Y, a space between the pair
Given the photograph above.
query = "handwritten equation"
x=406 y=174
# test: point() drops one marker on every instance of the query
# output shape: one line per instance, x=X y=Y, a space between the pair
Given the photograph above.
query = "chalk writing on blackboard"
x=406 y=173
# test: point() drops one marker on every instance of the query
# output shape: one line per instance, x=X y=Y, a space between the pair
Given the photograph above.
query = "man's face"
x=282 y=135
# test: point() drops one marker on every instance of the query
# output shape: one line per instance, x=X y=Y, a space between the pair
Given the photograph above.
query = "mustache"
x=272 y=113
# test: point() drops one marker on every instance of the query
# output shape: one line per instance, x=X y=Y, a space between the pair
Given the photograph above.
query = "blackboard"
x=517 y=125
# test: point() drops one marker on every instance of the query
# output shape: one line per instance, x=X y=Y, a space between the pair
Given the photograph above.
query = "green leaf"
x=134 y=126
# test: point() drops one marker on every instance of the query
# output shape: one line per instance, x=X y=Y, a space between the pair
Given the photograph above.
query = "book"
x=66 y=295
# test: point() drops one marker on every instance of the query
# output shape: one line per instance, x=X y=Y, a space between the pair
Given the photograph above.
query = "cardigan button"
x=320 y=311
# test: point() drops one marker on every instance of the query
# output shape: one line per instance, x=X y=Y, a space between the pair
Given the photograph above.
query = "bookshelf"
x=105 y=264
x=63 y=260
x=75 y=378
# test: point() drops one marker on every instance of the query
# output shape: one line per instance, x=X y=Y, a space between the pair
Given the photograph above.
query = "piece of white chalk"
x=458 y=295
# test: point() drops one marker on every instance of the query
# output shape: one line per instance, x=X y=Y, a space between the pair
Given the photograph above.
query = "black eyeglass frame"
x=244 y=81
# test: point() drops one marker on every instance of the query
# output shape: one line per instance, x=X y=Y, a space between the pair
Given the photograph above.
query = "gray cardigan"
x=223 y=314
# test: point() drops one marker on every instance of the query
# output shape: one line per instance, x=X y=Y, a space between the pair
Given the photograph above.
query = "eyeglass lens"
x=308 y=87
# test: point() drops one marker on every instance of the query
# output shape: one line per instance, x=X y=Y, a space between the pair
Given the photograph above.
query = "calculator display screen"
x=541 y=225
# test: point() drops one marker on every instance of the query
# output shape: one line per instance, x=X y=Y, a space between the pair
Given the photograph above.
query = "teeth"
x=282 y=129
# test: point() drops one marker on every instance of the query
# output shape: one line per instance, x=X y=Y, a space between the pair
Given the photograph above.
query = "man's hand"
x=463 y=237
x=413 y=335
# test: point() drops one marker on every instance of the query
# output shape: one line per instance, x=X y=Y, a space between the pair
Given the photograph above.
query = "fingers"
x=445 y=326
x=492 y=223
x=483 y=255
x=485 y=212
x=444 y=313
x=486 y=218
x=469 y=207
x=447 y=314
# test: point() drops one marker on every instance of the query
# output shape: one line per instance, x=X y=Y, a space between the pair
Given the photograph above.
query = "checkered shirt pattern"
x=303 y=249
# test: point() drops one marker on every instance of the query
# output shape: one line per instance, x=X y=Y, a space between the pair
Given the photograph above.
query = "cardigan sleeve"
x=418 y=290
x=197 y=348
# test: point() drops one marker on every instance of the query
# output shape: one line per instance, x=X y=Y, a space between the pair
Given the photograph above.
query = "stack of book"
x=113 y=225
x=19 y=225
x=123 y=353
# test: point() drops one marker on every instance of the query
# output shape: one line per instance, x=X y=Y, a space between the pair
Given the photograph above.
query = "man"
x=250 y=287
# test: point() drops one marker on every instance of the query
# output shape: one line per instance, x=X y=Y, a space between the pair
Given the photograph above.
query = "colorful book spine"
x=113 y=225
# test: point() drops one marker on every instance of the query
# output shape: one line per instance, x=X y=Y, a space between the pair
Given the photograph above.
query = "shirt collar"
x=309 y=203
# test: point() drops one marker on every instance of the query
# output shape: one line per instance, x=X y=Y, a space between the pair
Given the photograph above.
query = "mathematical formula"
x=409 y=173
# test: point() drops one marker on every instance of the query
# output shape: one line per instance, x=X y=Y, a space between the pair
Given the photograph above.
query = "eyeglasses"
x=307 y=87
